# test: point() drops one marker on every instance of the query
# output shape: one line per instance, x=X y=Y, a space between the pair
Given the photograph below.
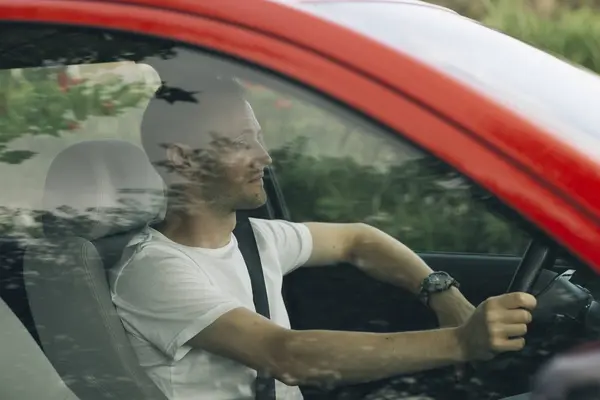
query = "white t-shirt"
x=166 y=293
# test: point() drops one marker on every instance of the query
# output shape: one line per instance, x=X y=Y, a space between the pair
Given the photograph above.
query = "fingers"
x=508 y=338
x=497 y=312
x=508 y=316
x=510 y=345
x=516 y=300
x=498 y=325
x=515 y=330
x=513 y=316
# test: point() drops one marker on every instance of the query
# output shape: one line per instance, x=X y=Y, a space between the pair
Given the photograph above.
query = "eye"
x=247 y=137
x=241 y=142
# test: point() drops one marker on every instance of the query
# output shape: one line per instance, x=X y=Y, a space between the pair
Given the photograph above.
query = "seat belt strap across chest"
x=264 y=385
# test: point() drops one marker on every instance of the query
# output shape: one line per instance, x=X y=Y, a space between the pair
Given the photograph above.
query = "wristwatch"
x=436 y=282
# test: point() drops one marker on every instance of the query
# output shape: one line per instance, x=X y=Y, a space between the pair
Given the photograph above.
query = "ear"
x=179 y=155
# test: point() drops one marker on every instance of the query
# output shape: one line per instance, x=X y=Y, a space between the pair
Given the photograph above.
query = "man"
x=184 y=293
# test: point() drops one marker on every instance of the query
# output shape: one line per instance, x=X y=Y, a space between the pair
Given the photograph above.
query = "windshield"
x=556 y=94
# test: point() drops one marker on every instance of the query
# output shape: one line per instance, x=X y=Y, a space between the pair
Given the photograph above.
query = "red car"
x=479 y=151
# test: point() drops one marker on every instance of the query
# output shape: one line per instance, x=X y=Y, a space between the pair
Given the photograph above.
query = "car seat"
x=25 y=372
x=97 y=195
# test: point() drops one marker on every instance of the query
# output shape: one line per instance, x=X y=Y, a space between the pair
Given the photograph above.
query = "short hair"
x=174 y=114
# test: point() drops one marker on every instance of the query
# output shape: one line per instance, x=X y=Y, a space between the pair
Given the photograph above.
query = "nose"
x=261 y=155
x=265 y=157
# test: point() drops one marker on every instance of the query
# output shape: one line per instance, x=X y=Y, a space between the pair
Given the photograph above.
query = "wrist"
x=448 y=298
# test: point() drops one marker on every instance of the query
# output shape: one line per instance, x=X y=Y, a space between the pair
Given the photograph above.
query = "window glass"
x=97 y=127
x=47 y=109
x=337 y=168
x=332 y=166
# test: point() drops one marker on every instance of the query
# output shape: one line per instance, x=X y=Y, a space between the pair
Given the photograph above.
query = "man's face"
x=229 y=158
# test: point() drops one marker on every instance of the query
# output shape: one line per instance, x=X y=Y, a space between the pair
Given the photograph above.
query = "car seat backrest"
x=25 y=372
x=97 y=195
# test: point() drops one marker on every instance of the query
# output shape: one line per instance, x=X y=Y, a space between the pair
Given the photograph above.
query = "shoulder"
x=150 y=248
x=292 y=242
x=278 y=229
x=147 y=259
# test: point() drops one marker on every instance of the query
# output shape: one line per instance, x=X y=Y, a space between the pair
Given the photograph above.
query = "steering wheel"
x=540 y=254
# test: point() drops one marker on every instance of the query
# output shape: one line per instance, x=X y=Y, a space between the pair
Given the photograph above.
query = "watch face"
x=439 y=280
x=436 y=282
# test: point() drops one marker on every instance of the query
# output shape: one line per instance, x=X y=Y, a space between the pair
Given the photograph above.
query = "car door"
x=337 y=156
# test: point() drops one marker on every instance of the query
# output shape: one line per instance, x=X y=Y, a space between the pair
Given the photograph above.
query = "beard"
x=222 y=186
x=228 y=195
x=251 y=201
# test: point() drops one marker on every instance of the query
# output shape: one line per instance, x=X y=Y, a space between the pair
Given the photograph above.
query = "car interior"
x=66 y=341
x=83 y=350
x=66 y=270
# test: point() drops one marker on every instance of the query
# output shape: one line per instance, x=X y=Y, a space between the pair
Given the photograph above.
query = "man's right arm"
x=327 y=358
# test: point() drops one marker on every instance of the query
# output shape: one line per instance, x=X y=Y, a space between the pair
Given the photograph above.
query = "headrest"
x=100 y=188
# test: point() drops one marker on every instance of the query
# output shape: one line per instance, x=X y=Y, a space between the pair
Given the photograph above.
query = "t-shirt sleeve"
x=291 y=241
x=167 y=299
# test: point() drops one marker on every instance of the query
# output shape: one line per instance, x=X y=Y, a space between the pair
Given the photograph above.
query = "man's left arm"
x=386 y=259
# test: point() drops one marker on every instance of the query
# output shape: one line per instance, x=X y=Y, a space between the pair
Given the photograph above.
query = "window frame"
x=349 y=84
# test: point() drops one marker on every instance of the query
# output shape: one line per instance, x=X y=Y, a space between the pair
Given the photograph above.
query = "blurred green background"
x=567 y=28
x=410 y=200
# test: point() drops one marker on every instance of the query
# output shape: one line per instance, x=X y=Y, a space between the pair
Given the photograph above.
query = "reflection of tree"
x=125 y=213
x=41 y=98
x=48 y=101
x=422 y=201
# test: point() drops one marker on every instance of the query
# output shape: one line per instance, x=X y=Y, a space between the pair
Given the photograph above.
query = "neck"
x=198 y=224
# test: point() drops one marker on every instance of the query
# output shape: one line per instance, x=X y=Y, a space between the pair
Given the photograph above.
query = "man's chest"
x=230 y=274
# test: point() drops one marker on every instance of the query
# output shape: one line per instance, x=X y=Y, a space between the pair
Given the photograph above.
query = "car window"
x=339 y=169
x=97 y=127
x=332 y=165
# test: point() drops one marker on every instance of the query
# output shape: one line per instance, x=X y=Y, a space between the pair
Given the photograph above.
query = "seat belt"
x=264 y=386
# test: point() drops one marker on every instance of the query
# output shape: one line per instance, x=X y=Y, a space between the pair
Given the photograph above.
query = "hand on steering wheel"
x=540 y=254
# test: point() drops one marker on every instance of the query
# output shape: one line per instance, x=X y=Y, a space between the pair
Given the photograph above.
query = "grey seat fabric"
x=25 y=372
x=97 y=195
